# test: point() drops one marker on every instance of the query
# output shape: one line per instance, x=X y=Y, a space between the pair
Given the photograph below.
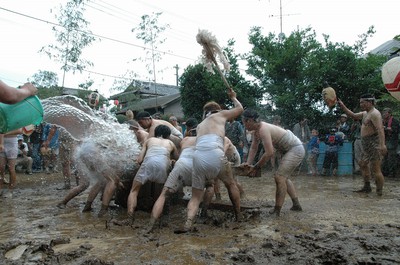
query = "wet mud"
x=336 y=226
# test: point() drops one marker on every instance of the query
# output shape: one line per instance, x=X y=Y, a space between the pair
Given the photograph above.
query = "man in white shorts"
x=155 y=162
x=209 y=160
x=179 y=177
x=272 y=136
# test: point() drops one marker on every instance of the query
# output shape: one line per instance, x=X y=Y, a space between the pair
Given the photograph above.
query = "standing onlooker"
x=332 y=141
x=8 y=158
x=275 y=159
x=302 y=131
x=372 y=140
x=343 y=126
x=235 y=132
x=174 y=121
x=357 y=146
x=12 y=95
x=23 y=159
x=391 y=127
x=247 y=143
x=50 y=147
x=35 y=140
x=313 y=152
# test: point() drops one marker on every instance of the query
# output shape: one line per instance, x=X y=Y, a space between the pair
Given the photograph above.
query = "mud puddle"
x=337 y=226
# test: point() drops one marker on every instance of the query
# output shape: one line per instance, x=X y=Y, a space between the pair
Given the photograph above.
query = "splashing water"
x=100 y=144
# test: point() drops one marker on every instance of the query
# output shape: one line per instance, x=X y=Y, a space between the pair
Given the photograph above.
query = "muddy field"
x=337 y=226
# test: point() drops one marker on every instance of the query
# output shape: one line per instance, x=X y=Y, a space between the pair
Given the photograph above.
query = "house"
x=390 y=48
x=151 y=97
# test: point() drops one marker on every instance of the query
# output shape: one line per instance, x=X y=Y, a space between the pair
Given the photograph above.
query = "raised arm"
x=237 y=109
x=11 y=95
x=355 y=116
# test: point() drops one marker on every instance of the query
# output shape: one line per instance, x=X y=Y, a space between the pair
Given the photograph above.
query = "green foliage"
x=199 y=87
x=293 y=70
x=48 y=92
x=72 y=37
x=86 y=85
x=121 y=118
x=44 y=79
x=195 y=91
x=150 y=32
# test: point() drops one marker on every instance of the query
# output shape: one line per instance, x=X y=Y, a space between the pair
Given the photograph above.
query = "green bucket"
x=15 y=116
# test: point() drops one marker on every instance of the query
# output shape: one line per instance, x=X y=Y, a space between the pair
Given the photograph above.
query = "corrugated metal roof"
x=387 y=48
x=149 y=88
x=154 y=102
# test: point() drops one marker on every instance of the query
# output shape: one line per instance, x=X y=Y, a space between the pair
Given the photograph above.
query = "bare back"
x=158 y=142
x=269 y=133
x=156 y=122
x=188 y=141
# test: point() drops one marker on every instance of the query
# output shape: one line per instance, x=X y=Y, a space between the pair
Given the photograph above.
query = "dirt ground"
x=336 y=226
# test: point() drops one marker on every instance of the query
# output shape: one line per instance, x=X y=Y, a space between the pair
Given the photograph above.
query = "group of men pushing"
x=203 y=159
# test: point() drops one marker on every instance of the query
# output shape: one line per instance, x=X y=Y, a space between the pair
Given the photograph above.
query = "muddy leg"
x=293 y=195
x=365 y=172
x=379 y=178
x=108 y=192
x=280 y=194
x=158 y=207
x=74 y=192
x=93 y=194
x=132 y=203
x=208 y=195
x=192 y=209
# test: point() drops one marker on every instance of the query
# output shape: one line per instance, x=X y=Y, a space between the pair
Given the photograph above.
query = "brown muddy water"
x=337 y=226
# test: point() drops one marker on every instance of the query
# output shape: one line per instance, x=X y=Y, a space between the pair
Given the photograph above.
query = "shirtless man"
x=147 y=122
x=154 y=160
x=372 y=140
x=291 y=148
x=233 y=156
x=180 y=176
x=141 y=135
x=209 y=161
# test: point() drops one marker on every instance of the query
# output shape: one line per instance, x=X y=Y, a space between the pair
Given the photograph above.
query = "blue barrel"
x=321 y=157
x=345 y=159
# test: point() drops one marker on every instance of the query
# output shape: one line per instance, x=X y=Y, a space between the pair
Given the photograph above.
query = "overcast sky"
x=25 y=31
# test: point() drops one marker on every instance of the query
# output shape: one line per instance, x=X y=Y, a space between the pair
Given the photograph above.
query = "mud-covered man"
x=291 y=148
x=372 y=141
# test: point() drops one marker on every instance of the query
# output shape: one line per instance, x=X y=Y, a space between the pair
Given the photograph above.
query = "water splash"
x=100 y=144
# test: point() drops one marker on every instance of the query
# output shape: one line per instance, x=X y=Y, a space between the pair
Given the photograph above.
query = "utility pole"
x=281 y=15
x=177 y=76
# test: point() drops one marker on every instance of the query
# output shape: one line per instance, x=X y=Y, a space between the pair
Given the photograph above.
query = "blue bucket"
x=15 y=116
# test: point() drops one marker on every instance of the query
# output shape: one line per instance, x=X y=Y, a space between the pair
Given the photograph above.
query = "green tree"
x=72 y=37
x=150 y=31
x=249 y=94
x=198 y=86
x=44 y=79
x=293 y=71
